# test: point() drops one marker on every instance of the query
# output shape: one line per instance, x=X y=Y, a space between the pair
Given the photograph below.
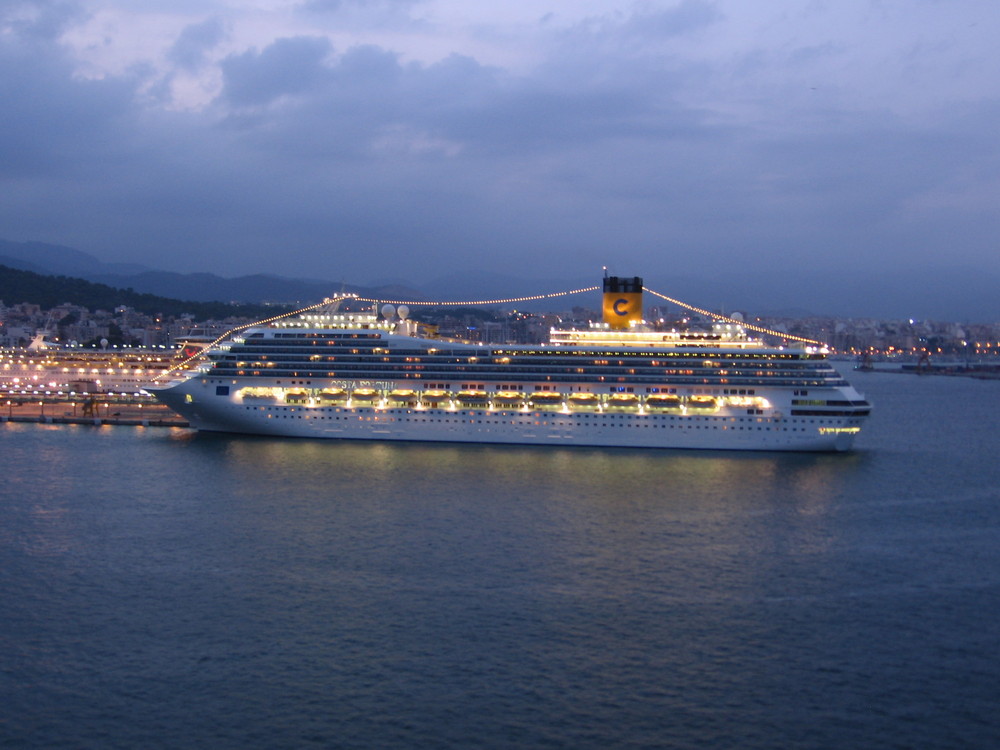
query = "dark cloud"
x=367 y=94
x=335 y=6
x=681 y=19
x=40 y=19
x=195 y=41
x=54 y=123
x=332 y=6
x=288 y=66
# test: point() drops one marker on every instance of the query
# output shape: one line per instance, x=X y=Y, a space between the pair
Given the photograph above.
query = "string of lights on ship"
x=475 y=303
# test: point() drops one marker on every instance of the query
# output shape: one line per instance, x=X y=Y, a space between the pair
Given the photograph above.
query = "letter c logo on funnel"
x=620 y=307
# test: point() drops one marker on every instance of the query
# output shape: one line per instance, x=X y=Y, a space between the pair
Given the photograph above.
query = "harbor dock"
x=102 y=410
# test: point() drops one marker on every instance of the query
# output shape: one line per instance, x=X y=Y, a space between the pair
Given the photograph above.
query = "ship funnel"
x=622 y=301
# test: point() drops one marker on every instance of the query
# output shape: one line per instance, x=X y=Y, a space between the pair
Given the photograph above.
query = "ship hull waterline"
x=510 y=426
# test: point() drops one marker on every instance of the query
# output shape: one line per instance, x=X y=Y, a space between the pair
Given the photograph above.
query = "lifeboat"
x=663 y=401
x=435 y=397
x=296 y=397
x=623 y=400
x=332 y=395
x=257 y=394
x=402 y=395
x=702 y=402
x=364 y=395
x=545 y=398
x=477 y=398
x=507 y=398
x=581 y=400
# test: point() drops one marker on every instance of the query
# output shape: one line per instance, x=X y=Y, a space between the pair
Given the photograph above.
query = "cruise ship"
x=74 y=370
x=616 y=383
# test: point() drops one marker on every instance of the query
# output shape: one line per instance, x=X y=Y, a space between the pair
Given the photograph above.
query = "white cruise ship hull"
x=196 y=400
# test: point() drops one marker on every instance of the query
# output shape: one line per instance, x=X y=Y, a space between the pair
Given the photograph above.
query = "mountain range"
x=942 y=293
x=59 y=260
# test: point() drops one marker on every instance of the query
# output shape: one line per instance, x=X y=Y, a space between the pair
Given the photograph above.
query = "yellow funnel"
x=622 y=301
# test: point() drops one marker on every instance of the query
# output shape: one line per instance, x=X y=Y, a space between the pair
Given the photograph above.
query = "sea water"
x=166 y=589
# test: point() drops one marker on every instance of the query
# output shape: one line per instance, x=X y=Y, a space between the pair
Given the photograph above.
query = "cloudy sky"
x=401 y=139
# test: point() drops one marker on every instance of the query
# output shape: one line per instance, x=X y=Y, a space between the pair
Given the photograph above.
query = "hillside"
x=18 y=286
x=59 y=260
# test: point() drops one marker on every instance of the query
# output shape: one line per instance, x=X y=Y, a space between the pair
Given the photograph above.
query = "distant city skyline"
x=824 y=153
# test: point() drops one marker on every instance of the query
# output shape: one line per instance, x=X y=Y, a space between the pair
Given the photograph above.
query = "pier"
x=101 y=409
